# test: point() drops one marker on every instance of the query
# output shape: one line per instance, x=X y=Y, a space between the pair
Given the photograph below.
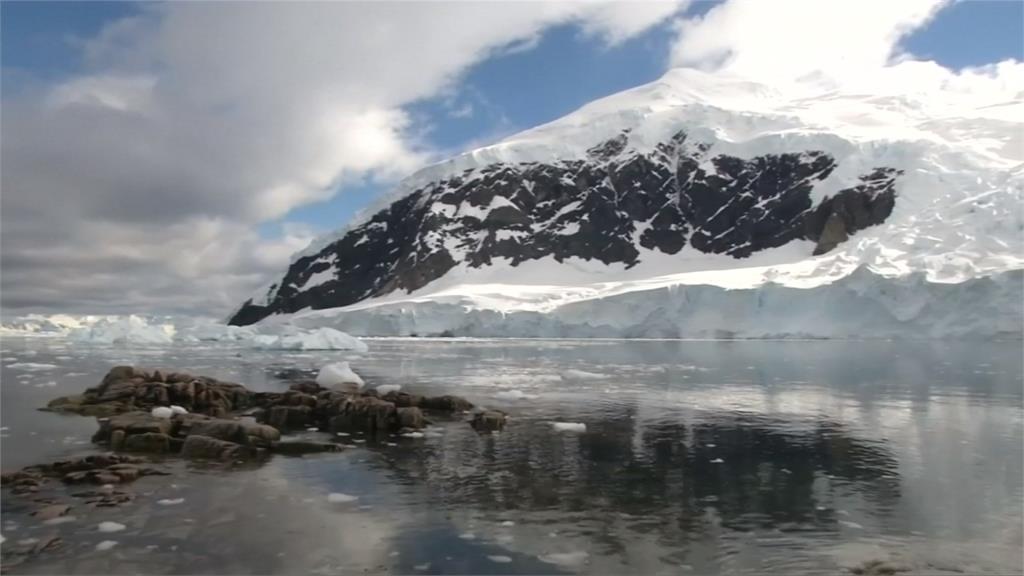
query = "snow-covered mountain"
x=697 y=205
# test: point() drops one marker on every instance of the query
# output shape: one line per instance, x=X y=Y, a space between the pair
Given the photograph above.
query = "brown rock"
x=410 y=417
x=118 y=374
x=197 y=446
x=152 y=442
x=307 y=387
x=176 y=377
x=403 y=399
x=296 y=398
x=105 y=478
x=446 y=403
x=237 y=431
x=117 y=440
x=363 y=413
x=125 y=472
x=488 y=421
x=76 y=477
x=289 y=417
x=52 y=511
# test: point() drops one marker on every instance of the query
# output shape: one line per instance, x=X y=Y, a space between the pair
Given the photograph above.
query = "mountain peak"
x=672 y=177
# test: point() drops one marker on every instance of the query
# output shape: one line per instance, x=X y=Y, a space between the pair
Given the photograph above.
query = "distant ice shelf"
x=860 y=305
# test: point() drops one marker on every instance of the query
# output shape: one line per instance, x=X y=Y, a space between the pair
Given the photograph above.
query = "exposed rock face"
x=126 y=389
x=606 y=208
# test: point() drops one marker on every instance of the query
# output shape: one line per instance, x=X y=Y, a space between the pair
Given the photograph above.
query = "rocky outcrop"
x=95 y=469
x=126 y=389
x=609 y=207
x=489 y=421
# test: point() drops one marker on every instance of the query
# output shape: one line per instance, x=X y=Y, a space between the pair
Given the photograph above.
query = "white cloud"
x=785 y=40
x=145 y=174
x=853 y=46
x=616 y=22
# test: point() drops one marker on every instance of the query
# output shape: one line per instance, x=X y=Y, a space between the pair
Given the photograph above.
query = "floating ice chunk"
x=413 y=434
x=124 y=330
x=569 y=426
x=422 y=567
x=514 y=395
x=499 y=559
x=359 y=441
x=385 y=388
x=292 y=338
x=508 y=523
x=178 y=409
x=162 y=412
x=312 y=429
x=338 y=374
x=339 y=498
x=566 y=559
x=342 y=434
x=214 y=332
x=170 y=501
x=581 y=375
x=111 y=526
x=717 y=461
x=32 y=366
x=106 y=545
x=467 y=536
x=49 y=384
x=849 y=524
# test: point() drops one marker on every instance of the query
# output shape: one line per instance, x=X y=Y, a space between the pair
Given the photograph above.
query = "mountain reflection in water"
x=697 y=456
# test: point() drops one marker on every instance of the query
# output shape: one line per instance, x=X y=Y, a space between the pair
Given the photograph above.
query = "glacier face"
x=693 y=184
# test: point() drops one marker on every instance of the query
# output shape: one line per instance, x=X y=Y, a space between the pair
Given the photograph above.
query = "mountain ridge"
x=660 y=168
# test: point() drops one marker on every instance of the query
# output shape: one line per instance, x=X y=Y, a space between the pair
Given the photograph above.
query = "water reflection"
x=703 y=456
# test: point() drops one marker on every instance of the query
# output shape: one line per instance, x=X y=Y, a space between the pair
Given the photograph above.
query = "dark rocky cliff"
x=606 y=207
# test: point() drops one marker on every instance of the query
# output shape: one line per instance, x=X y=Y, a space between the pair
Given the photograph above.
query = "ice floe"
x=110 y=526
x=338 y=374
x=569 y=426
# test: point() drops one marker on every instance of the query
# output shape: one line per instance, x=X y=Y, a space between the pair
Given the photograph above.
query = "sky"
x=170 y=157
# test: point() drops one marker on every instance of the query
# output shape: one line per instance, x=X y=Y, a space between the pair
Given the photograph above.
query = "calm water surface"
x=698 y=457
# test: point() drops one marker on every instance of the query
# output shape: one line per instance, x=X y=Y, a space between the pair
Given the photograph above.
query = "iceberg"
x=338 y=374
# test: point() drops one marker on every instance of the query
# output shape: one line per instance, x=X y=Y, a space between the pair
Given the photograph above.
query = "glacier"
x=157 y=331
x=948 y=262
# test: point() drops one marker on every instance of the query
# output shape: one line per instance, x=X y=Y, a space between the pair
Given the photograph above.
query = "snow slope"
x=945 y=263
x=959 y=151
